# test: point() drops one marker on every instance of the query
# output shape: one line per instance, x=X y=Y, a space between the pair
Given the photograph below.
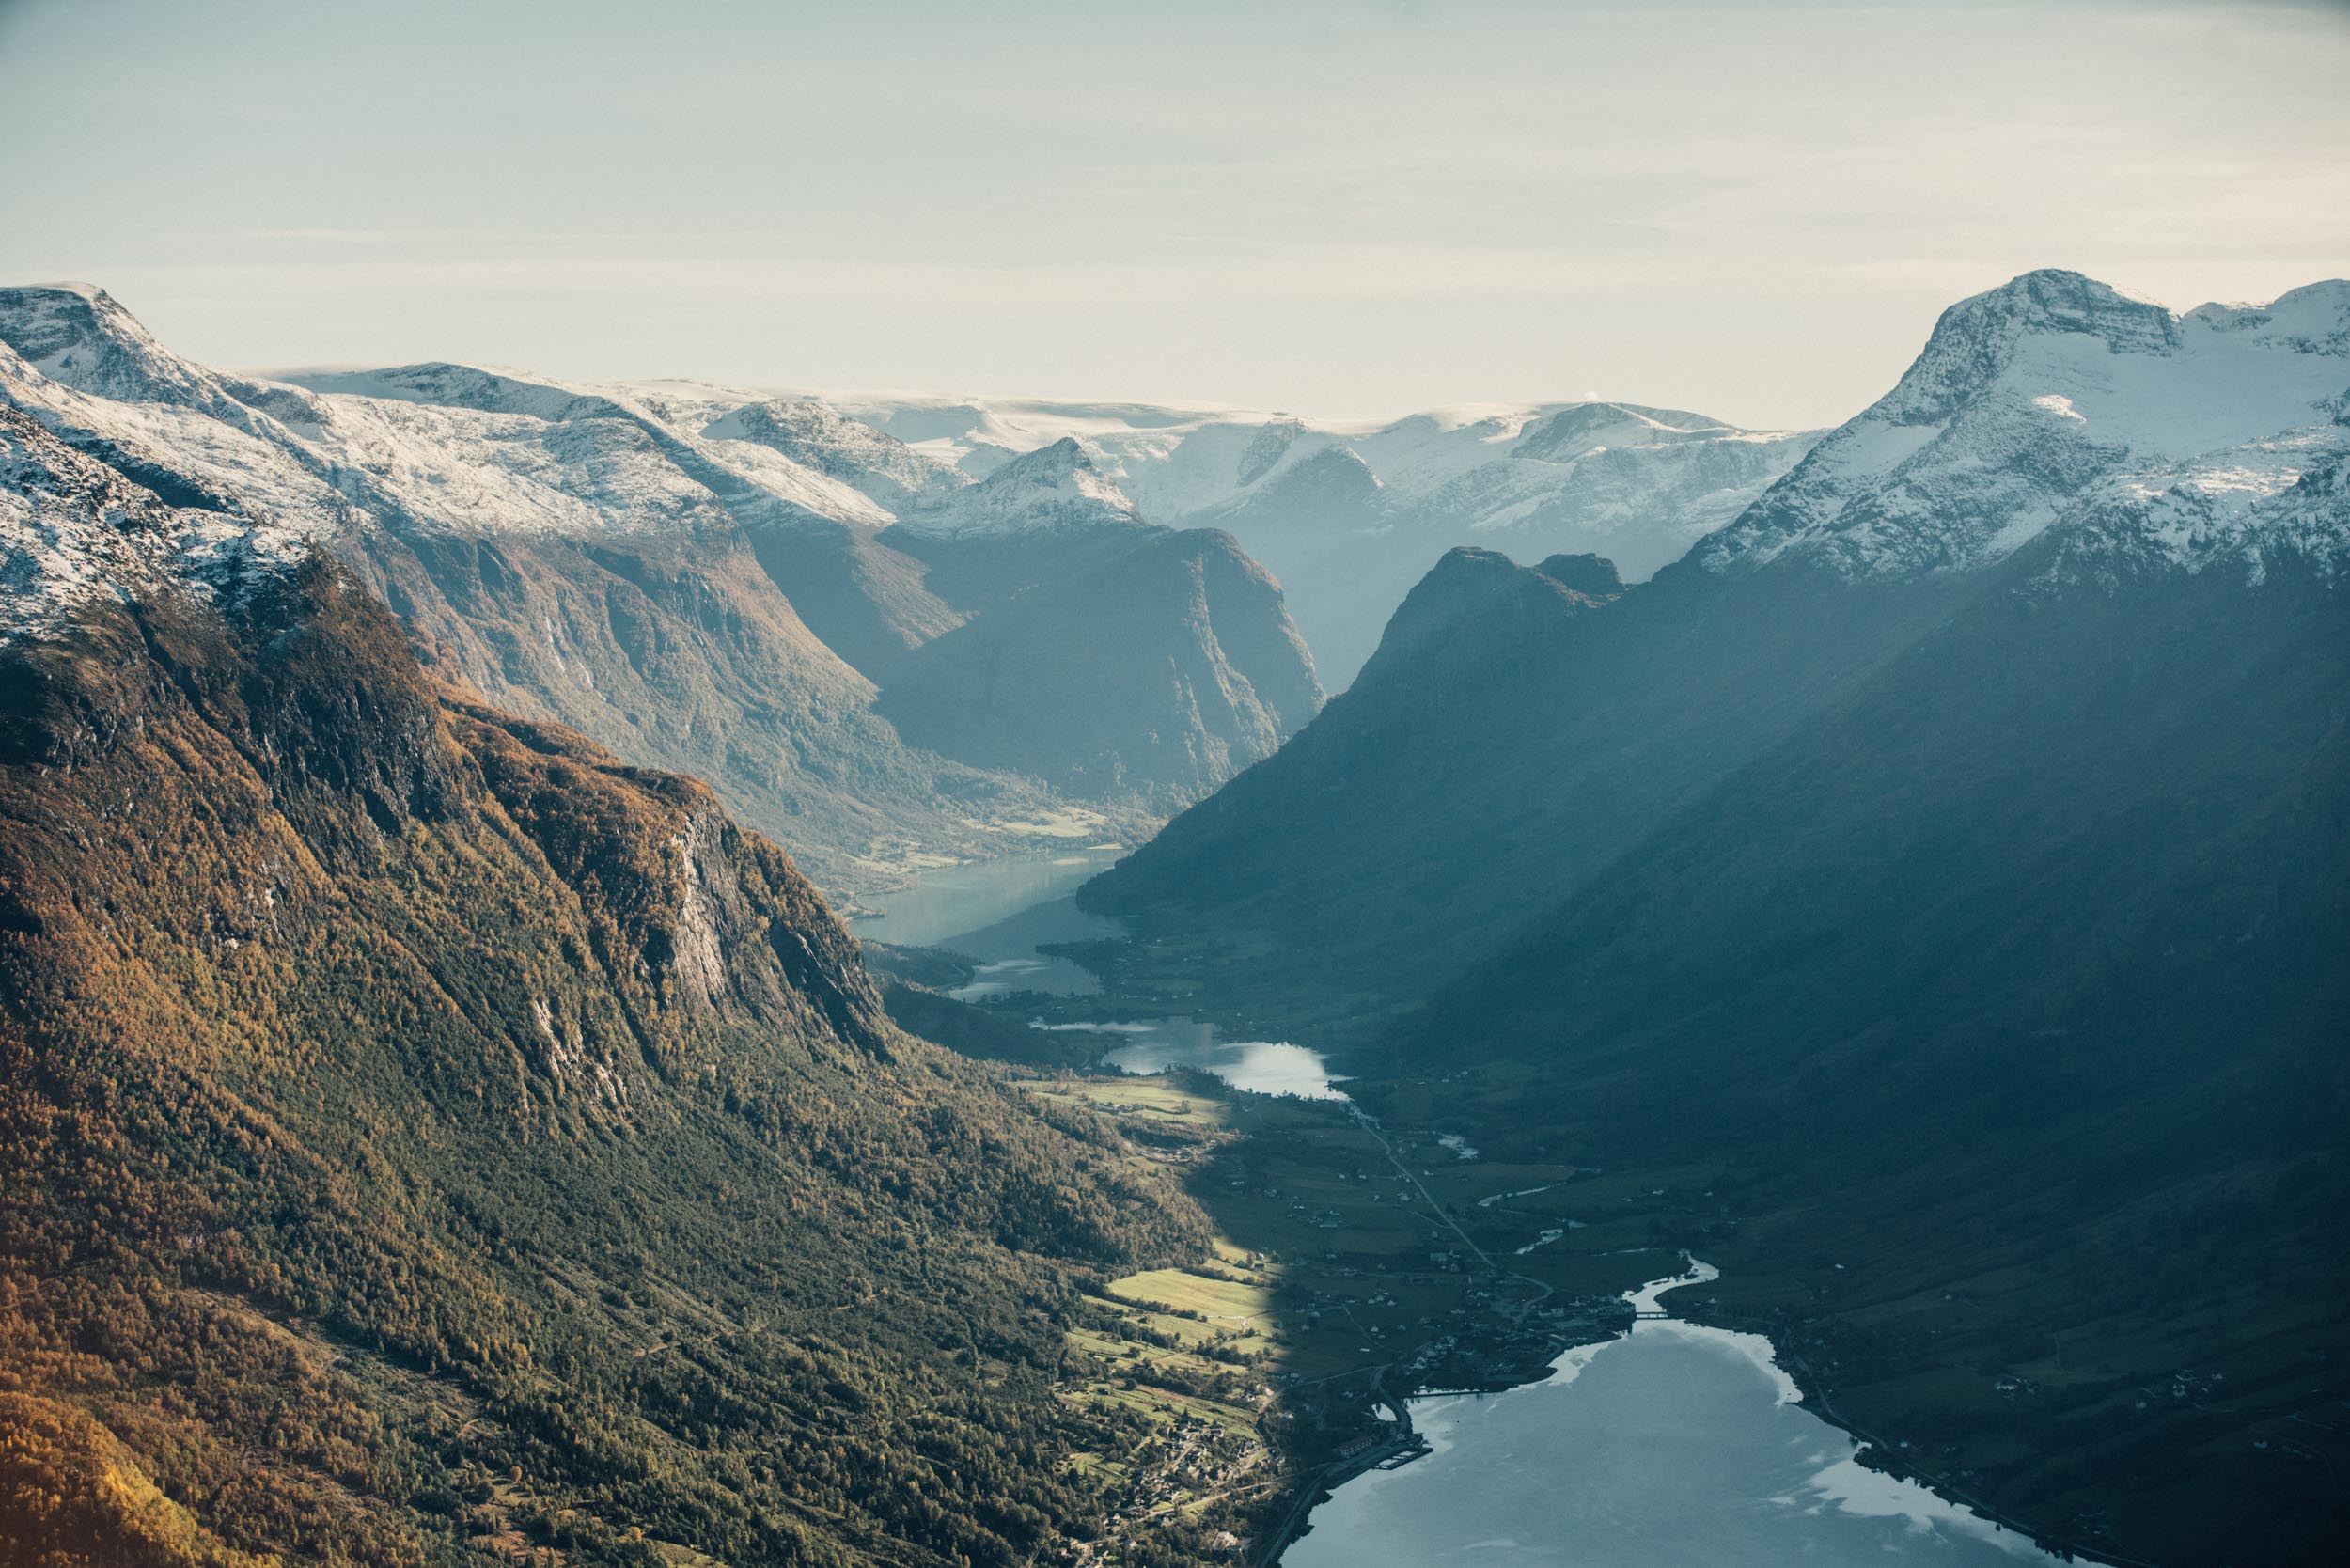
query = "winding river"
x=1675 y=1446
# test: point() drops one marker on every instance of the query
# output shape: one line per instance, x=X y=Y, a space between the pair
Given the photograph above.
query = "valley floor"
x=1353 y=1267
x=1978 y=1343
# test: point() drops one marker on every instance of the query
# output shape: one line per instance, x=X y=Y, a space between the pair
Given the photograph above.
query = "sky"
x=1338 y=210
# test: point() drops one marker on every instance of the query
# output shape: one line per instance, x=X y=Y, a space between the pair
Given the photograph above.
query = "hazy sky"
x=1755 y=211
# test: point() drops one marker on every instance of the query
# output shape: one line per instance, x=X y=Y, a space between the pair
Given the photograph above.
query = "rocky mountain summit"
x=2056 y=401
x=1055 y=489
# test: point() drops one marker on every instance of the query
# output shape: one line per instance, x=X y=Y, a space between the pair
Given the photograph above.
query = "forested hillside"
x=428 y=1138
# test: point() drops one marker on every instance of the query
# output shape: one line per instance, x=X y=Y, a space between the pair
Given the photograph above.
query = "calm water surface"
x=1677 y=1446
x=999 y=912
x=1258 y=1066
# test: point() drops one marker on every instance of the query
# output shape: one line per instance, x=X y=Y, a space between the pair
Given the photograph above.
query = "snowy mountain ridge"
x=1054 y=489
x=2056 y=401
x=74 y=531
x=2053 y=399
x=1189 y=463
x=699 y=582
x=816 y=436
x=1350 y=513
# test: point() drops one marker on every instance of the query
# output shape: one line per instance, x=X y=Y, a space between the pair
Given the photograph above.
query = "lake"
x=1676 y=1446
x=1258 y=1066
x=999 y=912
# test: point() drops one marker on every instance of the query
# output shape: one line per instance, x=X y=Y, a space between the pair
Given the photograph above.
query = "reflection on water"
x=1258 y=1066
x=959 y=899
x=1008 y=956
x=997 y=912
x=1000 y=912
x=1676 y=1444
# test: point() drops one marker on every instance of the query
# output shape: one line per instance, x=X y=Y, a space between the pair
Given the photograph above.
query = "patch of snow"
x=2024 y=401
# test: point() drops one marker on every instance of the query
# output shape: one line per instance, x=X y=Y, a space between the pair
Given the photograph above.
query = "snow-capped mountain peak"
x=1586 y=428
x=76 y=337
x=819 y=437
x=573 y=459
x=1055 y=488
x=77 y=334
x=443 y=384
x=1978 y=340
x=2030 y=397
x=2312 y=318
x=74 y=531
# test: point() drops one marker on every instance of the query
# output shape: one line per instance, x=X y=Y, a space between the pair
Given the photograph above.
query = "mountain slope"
x=1113 y=656
x=560 y=553
x=1402 y=830
x=1507 y=736
x=431 y=1140
x=1348 y=516
x=1162 y=669
x=1945 y=859
x=1056 y=489
x=695 y=579
x=2027 y=947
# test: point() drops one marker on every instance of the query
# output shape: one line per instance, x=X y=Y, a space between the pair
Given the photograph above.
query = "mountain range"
x=432 y=1139
x=712 y=585
x=2054 y=444
x=1349 y=514
x=1953 y=843
x=441 y=1130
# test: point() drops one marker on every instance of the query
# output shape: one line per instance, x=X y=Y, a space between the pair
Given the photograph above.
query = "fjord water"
x=953 y=901
x=1675 y=1445
x=999 y=912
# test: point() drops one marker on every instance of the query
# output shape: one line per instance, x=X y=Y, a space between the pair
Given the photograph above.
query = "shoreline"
x=1322 y=1476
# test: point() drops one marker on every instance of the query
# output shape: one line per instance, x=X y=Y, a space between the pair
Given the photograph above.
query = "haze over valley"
x=616 y=954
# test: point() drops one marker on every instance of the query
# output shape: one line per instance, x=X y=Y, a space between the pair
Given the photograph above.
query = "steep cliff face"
x=684 y=653
x=871 y=604
x=431 y=1138
x=1161 y=670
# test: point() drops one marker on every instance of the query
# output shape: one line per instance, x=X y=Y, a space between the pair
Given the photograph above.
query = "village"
x=1356 y=1269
